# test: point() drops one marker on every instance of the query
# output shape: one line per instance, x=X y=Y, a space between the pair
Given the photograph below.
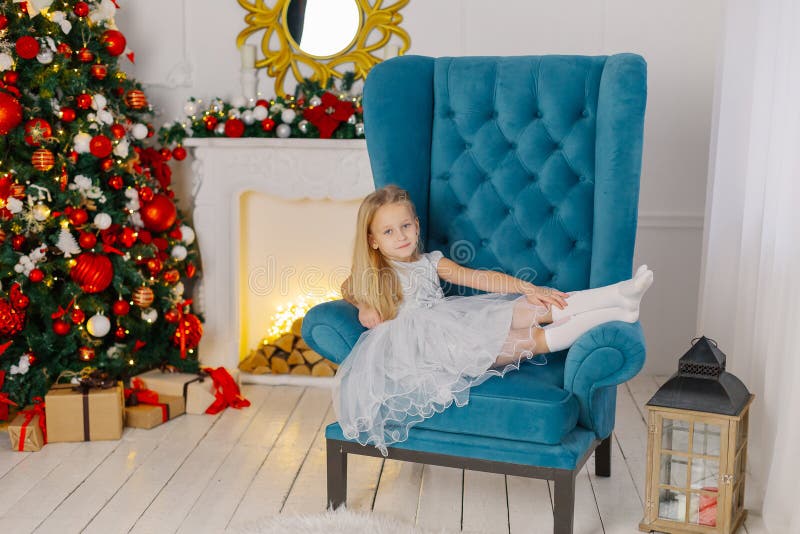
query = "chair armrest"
x=602 y=358
x=332 y=328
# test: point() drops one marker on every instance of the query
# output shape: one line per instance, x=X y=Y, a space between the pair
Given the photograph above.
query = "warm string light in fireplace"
x=281 y=322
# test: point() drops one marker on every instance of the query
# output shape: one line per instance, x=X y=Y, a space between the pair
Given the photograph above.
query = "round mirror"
x=322 y=28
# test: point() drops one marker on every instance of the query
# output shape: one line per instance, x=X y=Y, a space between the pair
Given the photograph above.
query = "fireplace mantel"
x=224 y=169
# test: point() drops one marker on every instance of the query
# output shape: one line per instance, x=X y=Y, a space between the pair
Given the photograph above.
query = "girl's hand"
x=368 y=316
x=545 y=296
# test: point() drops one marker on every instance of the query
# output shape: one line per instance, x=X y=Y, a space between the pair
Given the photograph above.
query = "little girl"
x=423 y=351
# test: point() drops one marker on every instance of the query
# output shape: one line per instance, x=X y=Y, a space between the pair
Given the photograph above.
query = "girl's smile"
x=394 y=232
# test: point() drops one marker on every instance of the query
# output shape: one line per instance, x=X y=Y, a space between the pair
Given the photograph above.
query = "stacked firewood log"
x=287 y=354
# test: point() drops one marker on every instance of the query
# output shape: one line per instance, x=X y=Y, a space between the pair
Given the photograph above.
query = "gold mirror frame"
x=288 y=57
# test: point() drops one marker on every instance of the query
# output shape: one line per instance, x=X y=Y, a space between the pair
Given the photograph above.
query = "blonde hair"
x=373 y=281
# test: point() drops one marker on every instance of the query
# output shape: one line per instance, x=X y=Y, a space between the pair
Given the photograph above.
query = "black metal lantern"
x=697 y=447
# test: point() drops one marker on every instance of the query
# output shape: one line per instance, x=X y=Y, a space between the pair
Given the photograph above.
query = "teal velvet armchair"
x=531 y=164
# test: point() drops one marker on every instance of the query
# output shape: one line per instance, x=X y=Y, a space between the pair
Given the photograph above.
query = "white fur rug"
x=341 y=521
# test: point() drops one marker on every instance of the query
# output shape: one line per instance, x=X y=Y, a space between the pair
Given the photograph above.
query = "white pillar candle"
x=248 y=52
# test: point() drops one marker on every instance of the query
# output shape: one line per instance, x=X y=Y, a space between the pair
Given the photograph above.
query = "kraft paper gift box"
x=84 y=414
x=151 y=415
x=196 y=390
x=25 y=430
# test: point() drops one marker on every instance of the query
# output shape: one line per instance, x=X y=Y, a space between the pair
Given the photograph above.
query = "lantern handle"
x=695 y=340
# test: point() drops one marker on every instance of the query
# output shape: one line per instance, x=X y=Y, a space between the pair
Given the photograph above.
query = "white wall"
x=188 y=49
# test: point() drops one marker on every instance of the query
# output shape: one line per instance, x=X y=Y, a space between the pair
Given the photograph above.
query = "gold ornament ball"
x=136 y=99
x=43 y=160
x=143 y=296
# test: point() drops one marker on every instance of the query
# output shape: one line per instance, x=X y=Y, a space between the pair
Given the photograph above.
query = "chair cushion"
x=526 y=405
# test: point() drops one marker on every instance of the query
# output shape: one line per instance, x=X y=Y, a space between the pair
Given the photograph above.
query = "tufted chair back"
x=528 y=165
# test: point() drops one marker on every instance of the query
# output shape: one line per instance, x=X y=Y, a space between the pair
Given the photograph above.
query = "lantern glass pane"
x=705 y=474
x=703 y=509
x=706 y=439
x=673 y=470
x=671 y=505
x=738 y=468
x=675 y=435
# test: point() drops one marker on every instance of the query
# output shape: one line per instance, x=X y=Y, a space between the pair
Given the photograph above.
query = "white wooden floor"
x=212 y=473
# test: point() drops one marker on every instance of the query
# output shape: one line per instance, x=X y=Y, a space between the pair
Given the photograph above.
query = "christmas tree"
x=94 y=254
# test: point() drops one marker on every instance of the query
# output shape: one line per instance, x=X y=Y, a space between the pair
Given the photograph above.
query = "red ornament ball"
x=92 y=272
x=77 y=316
x=17 y=242
x=128 y=237
x=179 y=153
x=81 y=9
x=114 y=42
x=268 y=124
x=159 y=214
x=21 y=302
x=166 y=154
x=116 y=182
x=210 y=122
x=121 y=307
x=37 y=130
x=118 y=131
x=191 y=329
x=234 y=128
x=119 y=333
x=42 y=160
x=27 y=47
x=11 y=77
x=172 y=316
x=32 y=358
x=84 y=101
x=85 y=55
x=11 y=319
x=154 y=265
x=100 y=146
x=172 y=276
x=87 y=240
x=68 y=114
x=99 y=72
x=3 y=22
x=145 y=194
x=10 y=112
x=143 y=296
x=107 y=164
x=77 y=217
x=86 y=354
x=36 y=276
x=61 y=327
x=64 y=49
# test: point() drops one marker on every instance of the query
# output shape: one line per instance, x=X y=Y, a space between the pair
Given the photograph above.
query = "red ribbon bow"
x=226 y=391
x=5 y=402
x=38 y=409
x=61 y=311
x=146 y=396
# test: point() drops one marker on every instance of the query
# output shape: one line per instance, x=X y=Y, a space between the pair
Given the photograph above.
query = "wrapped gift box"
x=84 y=414
x=196 y=390
x=152 y=415
x=25 y=430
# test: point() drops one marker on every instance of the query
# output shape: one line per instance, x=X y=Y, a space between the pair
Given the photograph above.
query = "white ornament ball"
x=81 y=142
x=6 y=61
x=315 y=101
x=139 y=131
x=45 y=56
x=352 y=119
x=190 y=108
x=41 y=212
x=131 y=193
x=234 y=114
x=187 y=234
x=247 y=117
x=99 y=102
x=179 y=252
x=102 y=221
x=288 y=115
x=239 y=102
x=149 y=315
x=219 y=129
x=98 y=325
x=283 y=131
x=260 y=113
x=303 y=126
x=360 y=128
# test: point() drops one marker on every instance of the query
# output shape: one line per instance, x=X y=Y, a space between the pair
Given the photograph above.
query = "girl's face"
x=394 y=232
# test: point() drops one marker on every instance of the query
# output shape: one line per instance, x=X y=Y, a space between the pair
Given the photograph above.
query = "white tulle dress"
x=416 y=365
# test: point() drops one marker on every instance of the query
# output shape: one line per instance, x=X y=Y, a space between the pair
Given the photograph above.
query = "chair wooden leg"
x=602 y=458
x=337 y=475
x=564 y=502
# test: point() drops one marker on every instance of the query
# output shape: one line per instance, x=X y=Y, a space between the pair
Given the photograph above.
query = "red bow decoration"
x=38 y=409
x=60 y=312
x=108 y=249
x=139 y=394
x=329 y=114
x=5 y=402
x=226 y=391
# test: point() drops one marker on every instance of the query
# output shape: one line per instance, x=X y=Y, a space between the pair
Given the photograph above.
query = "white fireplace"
x=275 y=218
